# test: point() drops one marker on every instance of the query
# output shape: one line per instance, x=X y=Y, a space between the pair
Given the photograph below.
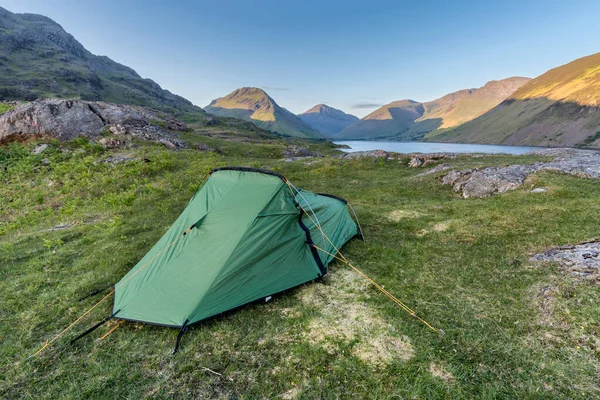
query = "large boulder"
x=68 y=119
x=488 y=181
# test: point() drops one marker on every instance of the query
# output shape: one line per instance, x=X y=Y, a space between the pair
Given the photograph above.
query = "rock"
x=110 y=143
x=293 y=151
x=175 y=125
x=45 y=161
x=487 y=181
x=40 y=148
x=441 y=167
x=68 y=119
x=118 y=159
x=168 y=144
x=369 y=153
x=416 y=162
x=539 y=190
x=582 y=260
x=203 y=147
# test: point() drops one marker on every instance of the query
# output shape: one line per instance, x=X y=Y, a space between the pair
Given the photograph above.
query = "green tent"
x=245 y=235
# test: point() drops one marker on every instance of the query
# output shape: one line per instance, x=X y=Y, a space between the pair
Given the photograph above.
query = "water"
x=427 y=147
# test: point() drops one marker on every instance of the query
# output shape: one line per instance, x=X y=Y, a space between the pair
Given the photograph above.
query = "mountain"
x=327 y=120
x=38 y=59
x=558 y=108
x=411 y=120
x=256 y=106
x=387 y=121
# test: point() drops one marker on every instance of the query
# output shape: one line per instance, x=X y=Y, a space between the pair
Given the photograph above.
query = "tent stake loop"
x=181 y=332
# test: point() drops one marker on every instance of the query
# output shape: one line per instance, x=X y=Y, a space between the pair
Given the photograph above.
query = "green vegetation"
x=4 y=107
x=512 y=329
x=589 y=140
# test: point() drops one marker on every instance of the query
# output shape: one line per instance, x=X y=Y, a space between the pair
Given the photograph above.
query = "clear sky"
x=351 y=55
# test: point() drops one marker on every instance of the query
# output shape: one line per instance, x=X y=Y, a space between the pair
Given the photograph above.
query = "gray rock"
x=416 y=162
x=369 y=153
x=203 y=147
x=487 y=181
x=582 y=260
x=539 y=190
x=39 y=148
x=110 y=143
x=293 y=151
x=441 y=167
x=118 y=159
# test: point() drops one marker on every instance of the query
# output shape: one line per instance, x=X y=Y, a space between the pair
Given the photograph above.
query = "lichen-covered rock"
x=582 y=260
x=369 y=153
x=297 y=151
x=487 y=181
x=68 y=119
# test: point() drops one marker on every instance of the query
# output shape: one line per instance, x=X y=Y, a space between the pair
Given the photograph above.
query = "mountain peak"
x=255 y=105
x=327 y=119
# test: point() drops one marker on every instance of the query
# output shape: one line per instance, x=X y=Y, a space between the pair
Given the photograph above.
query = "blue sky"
x=351 y=55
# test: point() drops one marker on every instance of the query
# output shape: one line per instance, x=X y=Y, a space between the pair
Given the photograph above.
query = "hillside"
x=256 y=106
x=558 y=108
x=385 y=122
x=327 y=120
x=39 y=59
x=441 y=114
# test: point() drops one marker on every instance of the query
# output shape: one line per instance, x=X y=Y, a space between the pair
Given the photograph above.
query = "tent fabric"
x=249 y=239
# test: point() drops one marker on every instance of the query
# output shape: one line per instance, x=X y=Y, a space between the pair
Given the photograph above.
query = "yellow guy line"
x=362 y=274
x=48 y=343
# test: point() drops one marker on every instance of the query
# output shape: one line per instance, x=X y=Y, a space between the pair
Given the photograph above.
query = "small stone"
x=40 y=148
x=416 y=162
x=110 y=143
x=539 y=190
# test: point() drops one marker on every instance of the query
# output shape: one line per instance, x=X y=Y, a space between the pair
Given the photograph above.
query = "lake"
x=427 y=147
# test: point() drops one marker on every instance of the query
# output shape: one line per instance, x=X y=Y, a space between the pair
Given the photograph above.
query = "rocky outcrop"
x=297 y=151
x=423 y=160
x=582 y=260
x=68 y=119
x=488 y=181
x=369 y=153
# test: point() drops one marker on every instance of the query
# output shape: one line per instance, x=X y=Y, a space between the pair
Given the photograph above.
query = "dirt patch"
x=439 y=371
x=441 y=226
x=545 y=299
x=398 y=215
x=345 y=319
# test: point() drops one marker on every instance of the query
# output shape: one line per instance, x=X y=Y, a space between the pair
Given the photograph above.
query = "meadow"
x=70 y=224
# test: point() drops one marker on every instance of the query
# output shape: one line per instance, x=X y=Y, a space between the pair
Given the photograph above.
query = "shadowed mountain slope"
x=558 y=108
x=448 y=111
x=327 y=120
x=39 y=59
x=256 y=106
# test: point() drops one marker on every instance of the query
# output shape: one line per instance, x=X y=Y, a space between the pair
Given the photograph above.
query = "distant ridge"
x=558 y=108
x=327 y=120
x=411 y=120
x=255 y=105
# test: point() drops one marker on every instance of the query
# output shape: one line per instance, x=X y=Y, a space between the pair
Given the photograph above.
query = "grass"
x=512 y=329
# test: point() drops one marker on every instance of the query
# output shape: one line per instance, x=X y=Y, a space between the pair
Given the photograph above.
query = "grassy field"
x=512 y=329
